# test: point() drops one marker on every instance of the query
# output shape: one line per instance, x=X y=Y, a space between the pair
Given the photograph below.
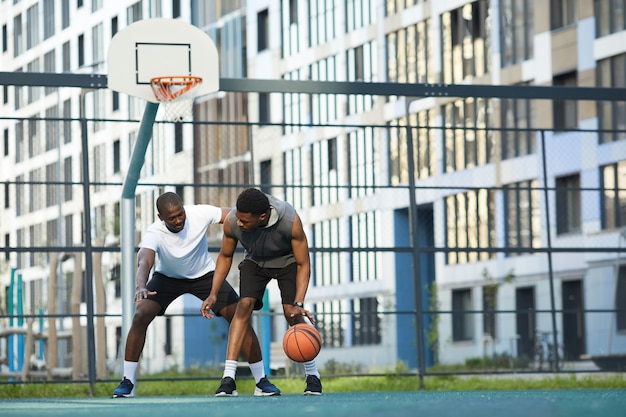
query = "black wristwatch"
x=298 y=304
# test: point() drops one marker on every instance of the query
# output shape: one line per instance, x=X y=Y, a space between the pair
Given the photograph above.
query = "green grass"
x=333 y=384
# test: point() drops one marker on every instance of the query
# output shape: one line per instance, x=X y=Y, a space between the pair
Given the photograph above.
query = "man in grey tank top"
x=276 y=247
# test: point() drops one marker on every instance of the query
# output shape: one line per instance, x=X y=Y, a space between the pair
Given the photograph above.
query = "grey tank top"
x=270 y=247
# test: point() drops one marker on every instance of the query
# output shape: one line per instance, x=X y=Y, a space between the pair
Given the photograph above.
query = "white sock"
x=230 y=368
x=310 y=368
x=130 y=368
x=258 y=370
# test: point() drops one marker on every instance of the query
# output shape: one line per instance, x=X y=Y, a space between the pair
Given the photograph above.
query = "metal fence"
x=503 y=253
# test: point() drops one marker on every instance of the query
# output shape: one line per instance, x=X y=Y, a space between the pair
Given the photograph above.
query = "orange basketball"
x=302 y=342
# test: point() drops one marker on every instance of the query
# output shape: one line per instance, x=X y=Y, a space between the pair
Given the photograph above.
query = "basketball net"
x=176 y=94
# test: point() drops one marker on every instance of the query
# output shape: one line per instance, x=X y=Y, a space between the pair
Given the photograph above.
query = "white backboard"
x=160 y=47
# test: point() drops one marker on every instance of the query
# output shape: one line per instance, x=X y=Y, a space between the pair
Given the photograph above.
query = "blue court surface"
x=535 y=403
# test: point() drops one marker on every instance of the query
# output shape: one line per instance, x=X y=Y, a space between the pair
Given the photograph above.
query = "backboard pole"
x=128 y=217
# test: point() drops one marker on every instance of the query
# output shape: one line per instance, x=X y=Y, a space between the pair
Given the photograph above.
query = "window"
x=18 y=36
x=568 y=211
x=490 y=305
x=6 y=142
x=117 y=159
x=470 y=223
x=323 y=106
x=263 y=30
x=266 y=176
x=49 y=65
x=115 y=101
x=294 y=106
x=52 y=128
x=96 y=5
x=360 y=13
x=611 y=72
x=67 y=179
x=52 y=190
x=264 y=107
x=423 y=137
x=361 y=66
x=462 y=321
x=67 y=123
x=32 y=26
x=521 y=208
x=291 y=33
x=364 y=237
x=178 y=137
x=81 y=51
x=327 y=267
x=65 y=13
x=97 y=46
x=465 y=40
x=516 y=120
x=322 y=18
x=69 y=229
x=33 y=93
x=114 y=26
x=333 y=327
x=366 y=323
x=325 y=175
x=409 y=54
x=99 y=167
x=613 y=201
x=294 y=174
x=134 y=13
x=49 y=16
x=565 y=113
x=610 y=17
x=66 y=57
x=620 y=299
x=516 y=31
x=562 y=13
x=364 y=164
x=5 y=39
x=175 y=8
x=467 y=142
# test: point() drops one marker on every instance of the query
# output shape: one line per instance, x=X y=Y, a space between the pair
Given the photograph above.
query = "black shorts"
x=253 y=280
x=168 y=289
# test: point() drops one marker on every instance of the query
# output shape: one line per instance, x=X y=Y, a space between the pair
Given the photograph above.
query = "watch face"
x=298 y=304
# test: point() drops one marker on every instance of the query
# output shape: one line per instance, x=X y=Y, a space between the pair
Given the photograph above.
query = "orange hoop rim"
x=172 y=87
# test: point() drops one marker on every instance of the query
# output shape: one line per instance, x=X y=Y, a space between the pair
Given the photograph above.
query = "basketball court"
x=539 y=403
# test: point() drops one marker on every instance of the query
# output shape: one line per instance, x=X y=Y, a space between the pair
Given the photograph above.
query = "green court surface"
x=570 y=403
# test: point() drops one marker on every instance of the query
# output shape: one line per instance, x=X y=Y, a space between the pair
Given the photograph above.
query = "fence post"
x=555 y=350
x=419 y=315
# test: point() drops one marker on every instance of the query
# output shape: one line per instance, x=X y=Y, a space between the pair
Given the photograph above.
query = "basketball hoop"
x=176 y=93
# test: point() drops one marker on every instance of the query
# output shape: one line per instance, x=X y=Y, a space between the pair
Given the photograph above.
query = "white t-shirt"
x=184 y=254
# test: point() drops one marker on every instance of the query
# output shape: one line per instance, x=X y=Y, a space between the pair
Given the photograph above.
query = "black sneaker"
x=264 y=388
x=227 y=388
x=124 y=389
x=313 y=385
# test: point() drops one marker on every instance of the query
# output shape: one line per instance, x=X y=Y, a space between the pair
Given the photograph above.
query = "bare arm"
x=145 y=261
x=222 y=267
x=300 y=246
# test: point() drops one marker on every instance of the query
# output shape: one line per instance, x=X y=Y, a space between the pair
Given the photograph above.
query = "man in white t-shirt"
x=184 y=267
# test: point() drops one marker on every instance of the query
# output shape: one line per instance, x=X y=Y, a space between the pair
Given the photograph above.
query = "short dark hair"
x=168 y=199
x=253 y=201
